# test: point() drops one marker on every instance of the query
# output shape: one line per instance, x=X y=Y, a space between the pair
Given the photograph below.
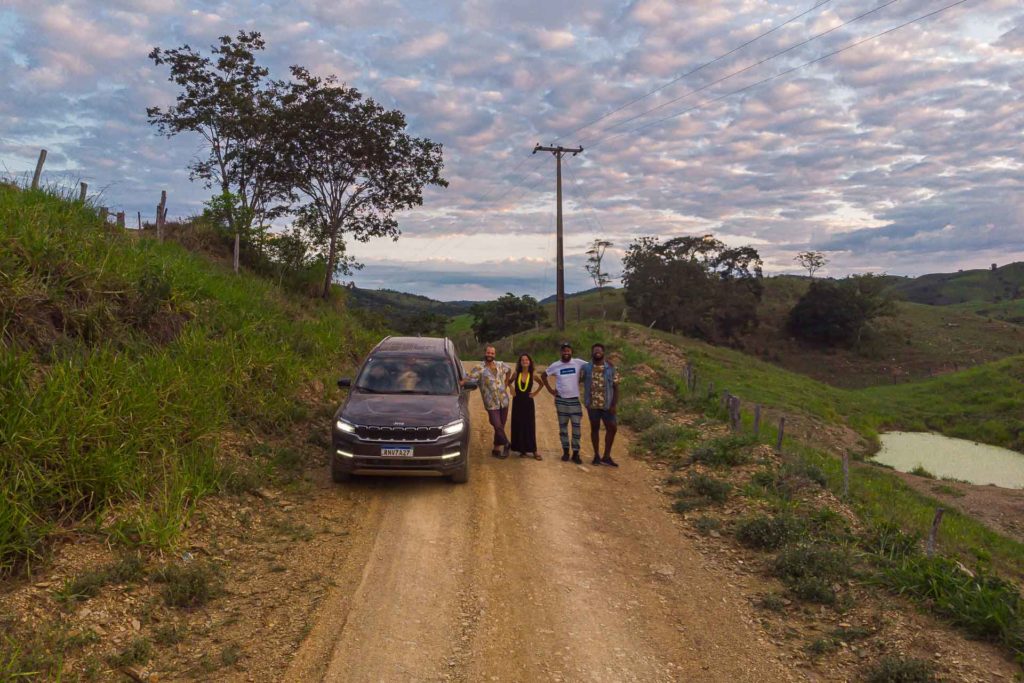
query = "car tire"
x=339 y=475
x=461 y=475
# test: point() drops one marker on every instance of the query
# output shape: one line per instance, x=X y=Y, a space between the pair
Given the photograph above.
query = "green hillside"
x=967 y=285
x=985 y=403
x=131 y=371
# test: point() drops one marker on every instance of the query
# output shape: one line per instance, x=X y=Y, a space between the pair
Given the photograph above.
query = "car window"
x=406 y=375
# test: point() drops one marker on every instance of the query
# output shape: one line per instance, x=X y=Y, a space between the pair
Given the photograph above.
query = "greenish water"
x=957 y=458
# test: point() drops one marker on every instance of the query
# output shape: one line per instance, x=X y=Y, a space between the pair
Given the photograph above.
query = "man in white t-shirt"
x=567 y=399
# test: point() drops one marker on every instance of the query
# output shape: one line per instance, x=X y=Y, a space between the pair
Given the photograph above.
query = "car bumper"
x=364 y=457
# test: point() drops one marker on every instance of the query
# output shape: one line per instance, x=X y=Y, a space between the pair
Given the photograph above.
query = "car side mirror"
x=470 y=384
x=344 y=383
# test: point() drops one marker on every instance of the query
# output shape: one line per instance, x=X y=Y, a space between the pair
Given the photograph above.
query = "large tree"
x=594 y=268
x=507 y=315
x=812 y=261
x=838 y=312
x=227 y=99
x=352 y=163
x=694 y=285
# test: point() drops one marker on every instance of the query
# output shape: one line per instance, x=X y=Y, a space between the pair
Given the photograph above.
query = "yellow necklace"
x=523 y=385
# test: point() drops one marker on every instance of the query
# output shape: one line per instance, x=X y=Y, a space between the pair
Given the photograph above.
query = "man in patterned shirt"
x=600 y=382
x=493 y=377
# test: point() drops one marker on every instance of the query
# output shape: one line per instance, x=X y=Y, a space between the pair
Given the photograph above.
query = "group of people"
x=502 y=387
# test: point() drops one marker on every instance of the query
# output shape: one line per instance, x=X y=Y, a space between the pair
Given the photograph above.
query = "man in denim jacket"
x=600 y=382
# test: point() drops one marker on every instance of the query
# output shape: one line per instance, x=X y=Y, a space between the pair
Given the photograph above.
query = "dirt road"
x=532 y=571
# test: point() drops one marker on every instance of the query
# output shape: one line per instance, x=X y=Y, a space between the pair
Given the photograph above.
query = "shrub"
x=804 y=471
x=187 y=586
x=708 y=487
x=984 y=605
x=724 y=451
x=705 y=525
x=665 y=439
x=900 y=670
x=637 y=415
x=768 y=533
x=889 y=542
x=137 y=652
x=920 y=471
x=810 y=570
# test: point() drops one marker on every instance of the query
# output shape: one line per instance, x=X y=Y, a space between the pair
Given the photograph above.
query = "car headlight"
x=346 y=427
x=453 y=428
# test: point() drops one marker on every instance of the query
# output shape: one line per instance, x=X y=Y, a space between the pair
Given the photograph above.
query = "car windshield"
x=406 y=375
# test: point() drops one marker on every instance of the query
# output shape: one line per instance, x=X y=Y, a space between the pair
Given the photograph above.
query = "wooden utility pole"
x=560 y=293
x=39 y=169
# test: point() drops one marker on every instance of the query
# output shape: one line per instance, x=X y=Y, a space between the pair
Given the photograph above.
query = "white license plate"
x=397 y=452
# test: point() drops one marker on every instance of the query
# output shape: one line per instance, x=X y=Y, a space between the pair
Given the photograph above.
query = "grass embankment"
x=123 y=365
x=895 y=516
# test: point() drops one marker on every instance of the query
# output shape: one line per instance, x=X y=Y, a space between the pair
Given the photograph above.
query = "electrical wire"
x=695 y=69
x=733 y=74
x=780 y=74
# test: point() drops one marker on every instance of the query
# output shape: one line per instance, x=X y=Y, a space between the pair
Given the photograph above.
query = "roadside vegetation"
x=796 y=520
x=129 y=367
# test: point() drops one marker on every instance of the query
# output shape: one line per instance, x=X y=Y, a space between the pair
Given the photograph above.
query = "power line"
x=743 y=70
x=780 y=74
x=695 y=69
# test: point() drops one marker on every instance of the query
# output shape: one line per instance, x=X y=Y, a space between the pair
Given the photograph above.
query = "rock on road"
x=531 y=571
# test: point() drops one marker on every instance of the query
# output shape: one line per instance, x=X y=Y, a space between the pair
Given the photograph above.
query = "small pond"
x=957 y=458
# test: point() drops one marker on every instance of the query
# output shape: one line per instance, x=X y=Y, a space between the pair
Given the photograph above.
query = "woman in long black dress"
x=524 y=423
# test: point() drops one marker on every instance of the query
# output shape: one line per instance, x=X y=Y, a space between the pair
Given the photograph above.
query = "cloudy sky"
x=902 y=154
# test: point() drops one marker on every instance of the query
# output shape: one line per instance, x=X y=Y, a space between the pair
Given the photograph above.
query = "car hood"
x=380 y=410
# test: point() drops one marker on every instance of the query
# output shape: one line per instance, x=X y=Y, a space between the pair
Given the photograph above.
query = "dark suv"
x=407 y=411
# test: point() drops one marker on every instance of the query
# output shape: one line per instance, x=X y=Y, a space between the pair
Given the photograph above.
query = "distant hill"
x=593 y=290
x=385 y=301
x=941 y=289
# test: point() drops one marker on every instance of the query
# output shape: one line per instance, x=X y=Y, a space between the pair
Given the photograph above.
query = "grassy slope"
x=964 y=286
x=124 y=363
x=985 y=403
x=918 y=342
x=955 y=404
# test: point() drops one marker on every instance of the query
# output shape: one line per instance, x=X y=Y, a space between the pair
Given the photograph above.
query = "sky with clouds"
x=902 y=154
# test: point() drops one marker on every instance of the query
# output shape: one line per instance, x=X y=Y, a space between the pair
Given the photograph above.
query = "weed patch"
x=727 y=451
x=984 y=605
x=900 y=670
x=136 y=652
x=769 y=533
x=920 y=471
x=810 y=570
x=187 y=586
x=666 y=439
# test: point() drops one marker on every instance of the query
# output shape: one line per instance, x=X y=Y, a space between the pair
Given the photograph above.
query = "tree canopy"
x=837 y=312
x=693 y=285
x=507 y=315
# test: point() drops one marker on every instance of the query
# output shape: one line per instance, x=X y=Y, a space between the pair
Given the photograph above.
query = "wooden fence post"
x=711 y=390
x=161 y=213
x=933 y=535
x=782 y=433
x=120 y=219
x=82 y=189
x=734 y=413
x=39 y=169
x=140 y=219
x=757 y=420
x=103 y=213
x=846 y=475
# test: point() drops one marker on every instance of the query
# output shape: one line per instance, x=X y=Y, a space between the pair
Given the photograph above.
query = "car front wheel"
x=461 y=475
x=339 y=475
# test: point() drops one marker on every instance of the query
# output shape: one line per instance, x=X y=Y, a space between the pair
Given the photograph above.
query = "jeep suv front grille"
x=398 y=434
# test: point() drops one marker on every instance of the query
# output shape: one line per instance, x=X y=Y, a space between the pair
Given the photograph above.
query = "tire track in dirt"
x=533 y=571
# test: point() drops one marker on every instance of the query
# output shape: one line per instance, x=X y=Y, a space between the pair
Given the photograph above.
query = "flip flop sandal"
x=537 y=456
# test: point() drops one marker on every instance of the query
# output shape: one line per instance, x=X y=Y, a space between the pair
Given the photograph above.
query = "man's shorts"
x=597 y=414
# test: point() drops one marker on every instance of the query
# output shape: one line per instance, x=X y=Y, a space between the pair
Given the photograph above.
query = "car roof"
x=434 y=346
